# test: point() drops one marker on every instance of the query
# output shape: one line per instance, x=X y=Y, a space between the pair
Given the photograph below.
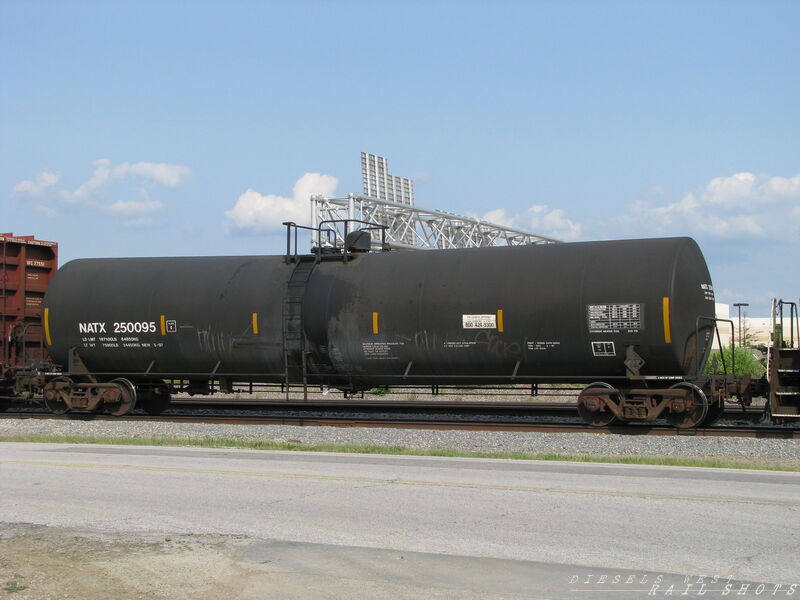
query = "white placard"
x=479 y=321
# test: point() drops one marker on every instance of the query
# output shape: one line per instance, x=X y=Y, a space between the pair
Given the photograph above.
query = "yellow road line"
x=408 y=482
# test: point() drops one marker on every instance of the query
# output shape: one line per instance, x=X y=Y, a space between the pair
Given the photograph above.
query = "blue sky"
x=160 y=128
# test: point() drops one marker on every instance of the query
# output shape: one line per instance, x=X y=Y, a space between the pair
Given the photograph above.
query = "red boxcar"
x=26 y=267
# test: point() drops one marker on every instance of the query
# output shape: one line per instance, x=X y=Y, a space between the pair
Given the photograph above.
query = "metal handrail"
x=371 y=226
x=714 y=320
x=292 y=227
x=793 y=322
x=292 y=230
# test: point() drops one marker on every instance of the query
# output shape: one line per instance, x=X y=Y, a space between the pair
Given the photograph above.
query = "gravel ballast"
x=773 y=450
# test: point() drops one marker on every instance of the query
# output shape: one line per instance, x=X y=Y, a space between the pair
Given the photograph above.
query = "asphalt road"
x=485 y=527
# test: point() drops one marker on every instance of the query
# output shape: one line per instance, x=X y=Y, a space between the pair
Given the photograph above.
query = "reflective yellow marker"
x=255 y=323
x=667 y=328
x=500 y=320
x=374 y=322
x=163 y=324
x=47 y=327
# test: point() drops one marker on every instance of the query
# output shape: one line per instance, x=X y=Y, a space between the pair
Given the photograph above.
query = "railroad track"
x=763 y=431
x=369 y=406
x=508 y=408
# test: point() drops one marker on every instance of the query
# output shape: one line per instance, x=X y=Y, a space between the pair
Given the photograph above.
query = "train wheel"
x=593 y=410
x=696 y=414
x=121 y=399
x=56 y=395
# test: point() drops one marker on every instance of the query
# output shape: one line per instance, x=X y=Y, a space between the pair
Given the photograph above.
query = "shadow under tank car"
x=631 y=319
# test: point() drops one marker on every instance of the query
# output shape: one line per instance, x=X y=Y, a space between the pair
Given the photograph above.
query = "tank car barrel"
x=613 y=311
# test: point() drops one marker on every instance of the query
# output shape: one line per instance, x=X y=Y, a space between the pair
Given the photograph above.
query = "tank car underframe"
x=684 y=402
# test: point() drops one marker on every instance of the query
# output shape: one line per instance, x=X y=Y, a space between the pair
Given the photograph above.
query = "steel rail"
x=522 y=409
x=388 y=406
x=751 y=414
x=766 y=432
x=521 y=405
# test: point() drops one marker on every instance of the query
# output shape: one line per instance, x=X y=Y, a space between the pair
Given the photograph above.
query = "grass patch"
x=222 y=442
x=12 y=587
x=381 y=390
x=745 y=362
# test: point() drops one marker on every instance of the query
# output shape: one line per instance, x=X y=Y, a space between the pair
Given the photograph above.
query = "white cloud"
x=743 y=205
x=108 y=188
x=783 y=186
x=104 y=174
x=165 y=174
x=45 y=180
x=740 y=206
x=552 y=223
x=738 y=188
x=498 y=216
x=98 y=179
x=538 y=219
x=47 y=211
x=755 y=298
x=133 y=208
x=139 y=223
x=136 y=214
x=260 y=213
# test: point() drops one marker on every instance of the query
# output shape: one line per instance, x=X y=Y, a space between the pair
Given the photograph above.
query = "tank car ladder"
x=294 y=347
x=784 y=363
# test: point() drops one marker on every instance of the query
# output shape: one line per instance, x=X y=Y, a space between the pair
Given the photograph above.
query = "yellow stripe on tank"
x=47 y=327
x=374 y=322
x=500 y=320
x=667 y=326
x=255 y=323
x=163 y=324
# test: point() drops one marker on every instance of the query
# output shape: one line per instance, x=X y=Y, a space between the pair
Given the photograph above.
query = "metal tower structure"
x=378 y=183
x=428 y=229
